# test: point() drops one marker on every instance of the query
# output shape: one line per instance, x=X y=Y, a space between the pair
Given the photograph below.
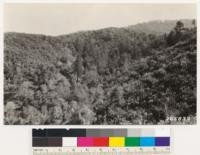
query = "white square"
x=70 y=141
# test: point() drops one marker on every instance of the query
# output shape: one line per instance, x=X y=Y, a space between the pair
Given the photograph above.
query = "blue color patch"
x=147 y=141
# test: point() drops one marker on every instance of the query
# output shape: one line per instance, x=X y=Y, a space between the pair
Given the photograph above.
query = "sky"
x=58 y=19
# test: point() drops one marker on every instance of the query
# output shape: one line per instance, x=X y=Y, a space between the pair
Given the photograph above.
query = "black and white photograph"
x=100 y=64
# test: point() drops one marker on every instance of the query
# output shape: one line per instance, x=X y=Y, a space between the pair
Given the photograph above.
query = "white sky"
x=56 y=19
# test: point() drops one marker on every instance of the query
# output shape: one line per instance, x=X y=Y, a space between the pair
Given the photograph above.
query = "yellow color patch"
x=116 y=142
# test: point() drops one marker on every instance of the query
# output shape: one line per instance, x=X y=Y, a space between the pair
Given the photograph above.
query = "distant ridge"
x=159 y=26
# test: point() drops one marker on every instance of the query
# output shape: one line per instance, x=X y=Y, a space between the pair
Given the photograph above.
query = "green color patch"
x=132 y=141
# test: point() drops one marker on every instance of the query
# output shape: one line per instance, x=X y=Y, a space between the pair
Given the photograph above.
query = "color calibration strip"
x=102 y=140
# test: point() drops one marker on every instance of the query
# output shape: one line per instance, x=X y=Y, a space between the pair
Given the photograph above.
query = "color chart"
x=101 y=141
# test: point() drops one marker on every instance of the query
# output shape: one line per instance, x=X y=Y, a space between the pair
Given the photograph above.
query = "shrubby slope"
x=108 y=76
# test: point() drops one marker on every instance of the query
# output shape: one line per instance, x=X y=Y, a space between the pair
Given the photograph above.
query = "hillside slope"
x=108 y=76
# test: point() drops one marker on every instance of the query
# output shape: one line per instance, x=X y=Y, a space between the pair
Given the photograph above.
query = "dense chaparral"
x=139 y=74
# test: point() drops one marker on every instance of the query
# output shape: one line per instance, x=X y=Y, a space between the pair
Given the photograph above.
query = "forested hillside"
x=107 y=76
